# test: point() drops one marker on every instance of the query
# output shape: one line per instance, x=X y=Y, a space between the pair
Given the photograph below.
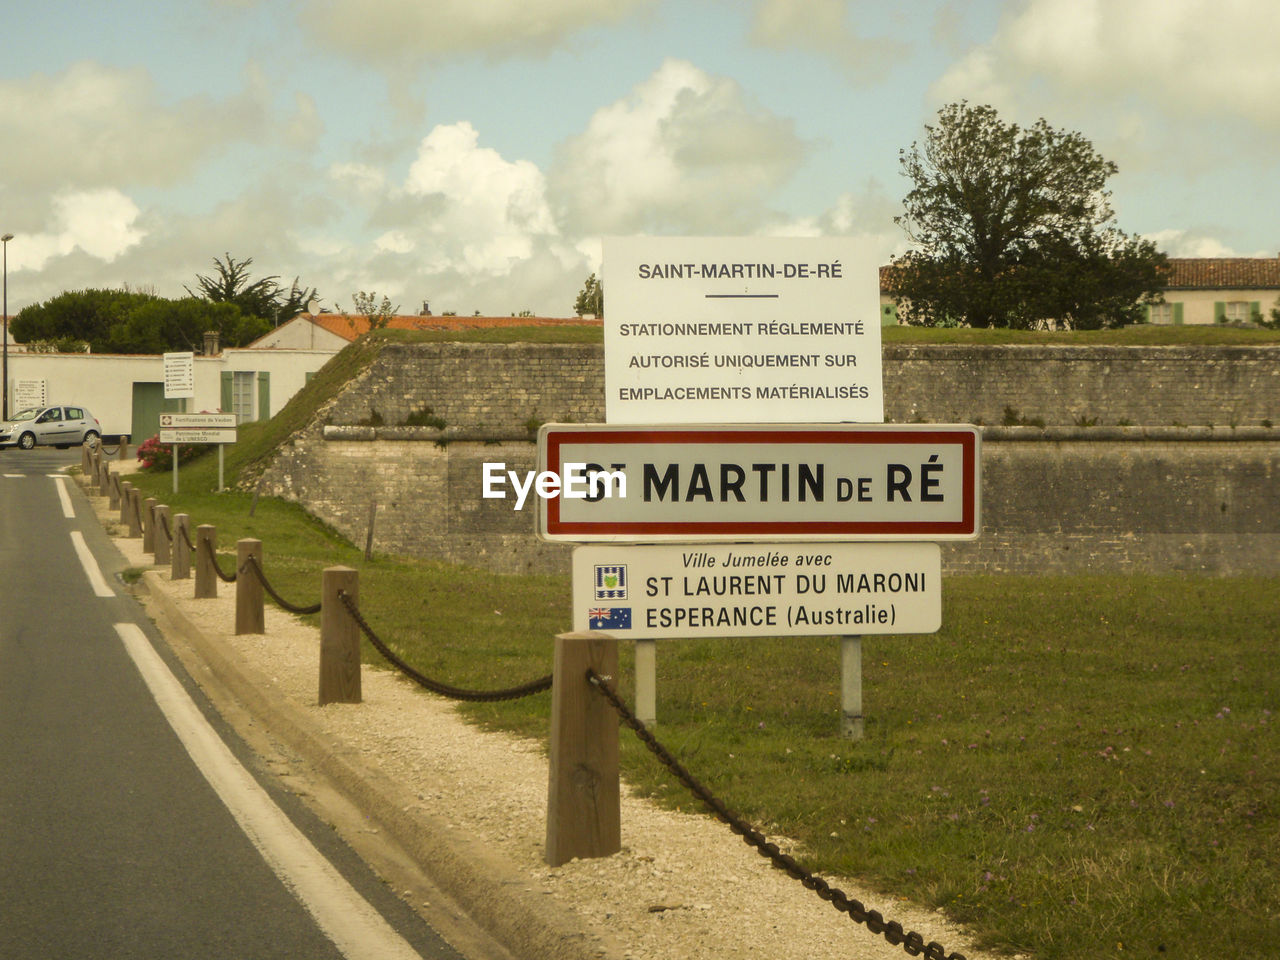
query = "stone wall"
x=1198 y=494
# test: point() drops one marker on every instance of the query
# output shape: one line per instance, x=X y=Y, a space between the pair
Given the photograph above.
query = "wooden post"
x=126 y=500
x=113 y=490
x=135 y=512
x=86 y=461
x=851 y=688
x=124 y=447
x=149 y=525
x=104 y=478
x=583 y=806
x=180 y=565
x=339 y=637
x=647 y=682
x=163 y=541
x=206 y=576
x=250 y=616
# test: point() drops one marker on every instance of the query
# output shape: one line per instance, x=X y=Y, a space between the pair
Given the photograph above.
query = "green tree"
x=76 y=315
x=378 y=313
x=590 y=298
x=256 y=298
x=120 y=321
x=1013 y=228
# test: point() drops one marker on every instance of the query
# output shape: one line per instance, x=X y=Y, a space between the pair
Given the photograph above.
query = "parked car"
x=56 y=425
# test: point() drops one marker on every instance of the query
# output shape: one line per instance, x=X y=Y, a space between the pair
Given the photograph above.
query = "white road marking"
x=14 y=476
x=67 y=510
x=96 y=580
x=345 y=917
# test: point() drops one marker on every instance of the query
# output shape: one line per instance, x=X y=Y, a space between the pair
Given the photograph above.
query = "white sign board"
x=742 y=330
x=179 y=375
x=197 y=428
x=757 y=590
x=29 y=393
x=780 y=482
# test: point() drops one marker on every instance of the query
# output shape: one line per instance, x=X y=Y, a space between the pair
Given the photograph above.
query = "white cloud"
x=413 y=31
x=823 y=26
x=685 y=152
x=101 y=223
x=1190 y=243
x=93 y=125
x=491 y=208
x=1183 y=58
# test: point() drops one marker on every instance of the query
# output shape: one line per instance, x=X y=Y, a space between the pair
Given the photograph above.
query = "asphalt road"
x=122 y=820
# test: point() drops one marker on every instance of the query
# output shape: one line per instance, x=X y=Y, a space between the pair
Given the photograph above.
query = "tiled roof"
x=349 y=326
x=1232 y=273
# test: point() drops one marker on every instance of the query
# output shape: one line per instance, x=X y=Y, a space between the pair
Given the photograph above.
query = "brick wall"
x=1201 y=496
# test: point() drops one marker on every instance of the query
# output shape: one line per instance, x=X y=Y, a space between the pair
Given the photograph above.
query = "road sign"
x=739 y=482
x=197 y=428
x=742 y=330
x=757 y=590
x=179 y=375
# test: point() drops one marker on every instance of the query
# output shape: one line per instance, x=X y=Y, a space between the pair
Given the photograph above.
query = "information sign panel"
x=737 y=482
x=197 y=428
x=742 y=330
x=179 y=375
x=644 y=592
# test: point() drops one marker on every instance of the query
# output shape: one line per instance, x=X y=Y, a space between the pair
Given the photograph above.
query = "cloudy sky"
x=471 y=153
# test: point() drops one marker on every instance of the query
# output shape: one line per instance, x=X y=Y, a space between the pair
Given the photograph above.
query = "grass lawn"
x=1076 y=766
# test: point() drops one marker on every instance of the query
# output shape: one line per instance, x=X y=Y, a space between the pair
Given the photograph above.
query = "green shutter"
x=1219 y=312
x=1255 y=310
x=889 y=315
x=264 y=395
x=227 y=379
x=1177 y=314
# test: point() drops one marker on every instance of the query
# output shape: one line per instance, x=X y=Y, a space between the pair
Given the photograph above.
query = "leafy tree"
x=79 y=315
x=256 y=298
x=119 y=321
x=378 y=314
x=590 y=298
x=1013 y=228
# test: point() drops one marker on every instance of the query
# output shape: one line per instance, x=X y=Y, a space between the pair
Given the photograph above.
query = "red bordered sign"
x=745 y=482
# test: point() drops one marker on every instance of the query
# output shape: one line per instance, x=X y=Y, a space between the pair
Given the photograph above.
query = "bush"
x=154 y=455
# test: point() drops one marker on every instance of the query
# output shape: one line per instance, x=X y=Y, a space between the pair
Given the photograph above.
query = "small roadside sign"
x=179 y=375
x=197 y=428
x=649 y=591
x=780 y=482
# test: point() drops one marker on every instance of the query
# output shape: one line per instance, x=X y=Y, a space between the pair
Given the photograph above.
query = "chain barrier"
x=251 y=563
x=107 y=450
x=213 y=558
x=186 y=538
x=454 y=693
x=910 y=941
x=164 y=523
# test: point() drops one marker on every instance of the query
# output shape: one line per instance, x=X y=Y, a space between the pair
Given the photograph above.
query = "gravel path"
x=683 y=886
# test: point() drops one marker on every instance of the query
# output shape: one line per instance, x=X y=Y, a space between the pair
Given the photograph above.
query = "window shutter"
x=1177 y=314
x=889 y=315
x=1219 y=312
x=227 y=378
x=264 y=395
x=1255 y=309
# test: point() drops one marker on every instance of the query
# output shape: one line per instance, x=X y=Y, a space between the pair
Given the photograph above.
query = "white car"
x=56 y=425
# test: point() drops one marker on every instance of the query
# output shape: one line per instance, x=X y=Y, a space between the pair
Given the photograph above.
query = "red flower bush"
x=154 y=455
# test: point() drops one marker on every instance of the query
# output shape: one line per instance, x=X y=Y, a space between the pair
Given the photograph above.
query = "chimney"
x=211 y=344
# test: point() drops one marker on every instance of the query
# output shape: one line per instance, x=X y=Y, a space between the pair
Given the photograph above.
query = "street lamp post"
x=4 y=377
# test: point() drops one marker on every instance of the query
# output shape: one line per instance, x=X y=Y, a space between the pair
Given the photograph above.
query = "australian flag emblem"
x=611 y=581
x=609 y=618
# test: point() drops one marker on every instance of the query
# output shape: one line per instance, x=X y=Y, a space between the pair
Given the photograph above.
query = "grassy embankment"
x=1077 y=766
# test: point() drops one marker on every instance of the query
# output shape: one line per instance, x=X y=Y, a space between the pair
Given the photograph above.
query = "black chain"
x=251 y=563
x=186 y=537
x=213 y=558
x=912 y=942
x=454 y=693
x=108 y=451
x=164 y=522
